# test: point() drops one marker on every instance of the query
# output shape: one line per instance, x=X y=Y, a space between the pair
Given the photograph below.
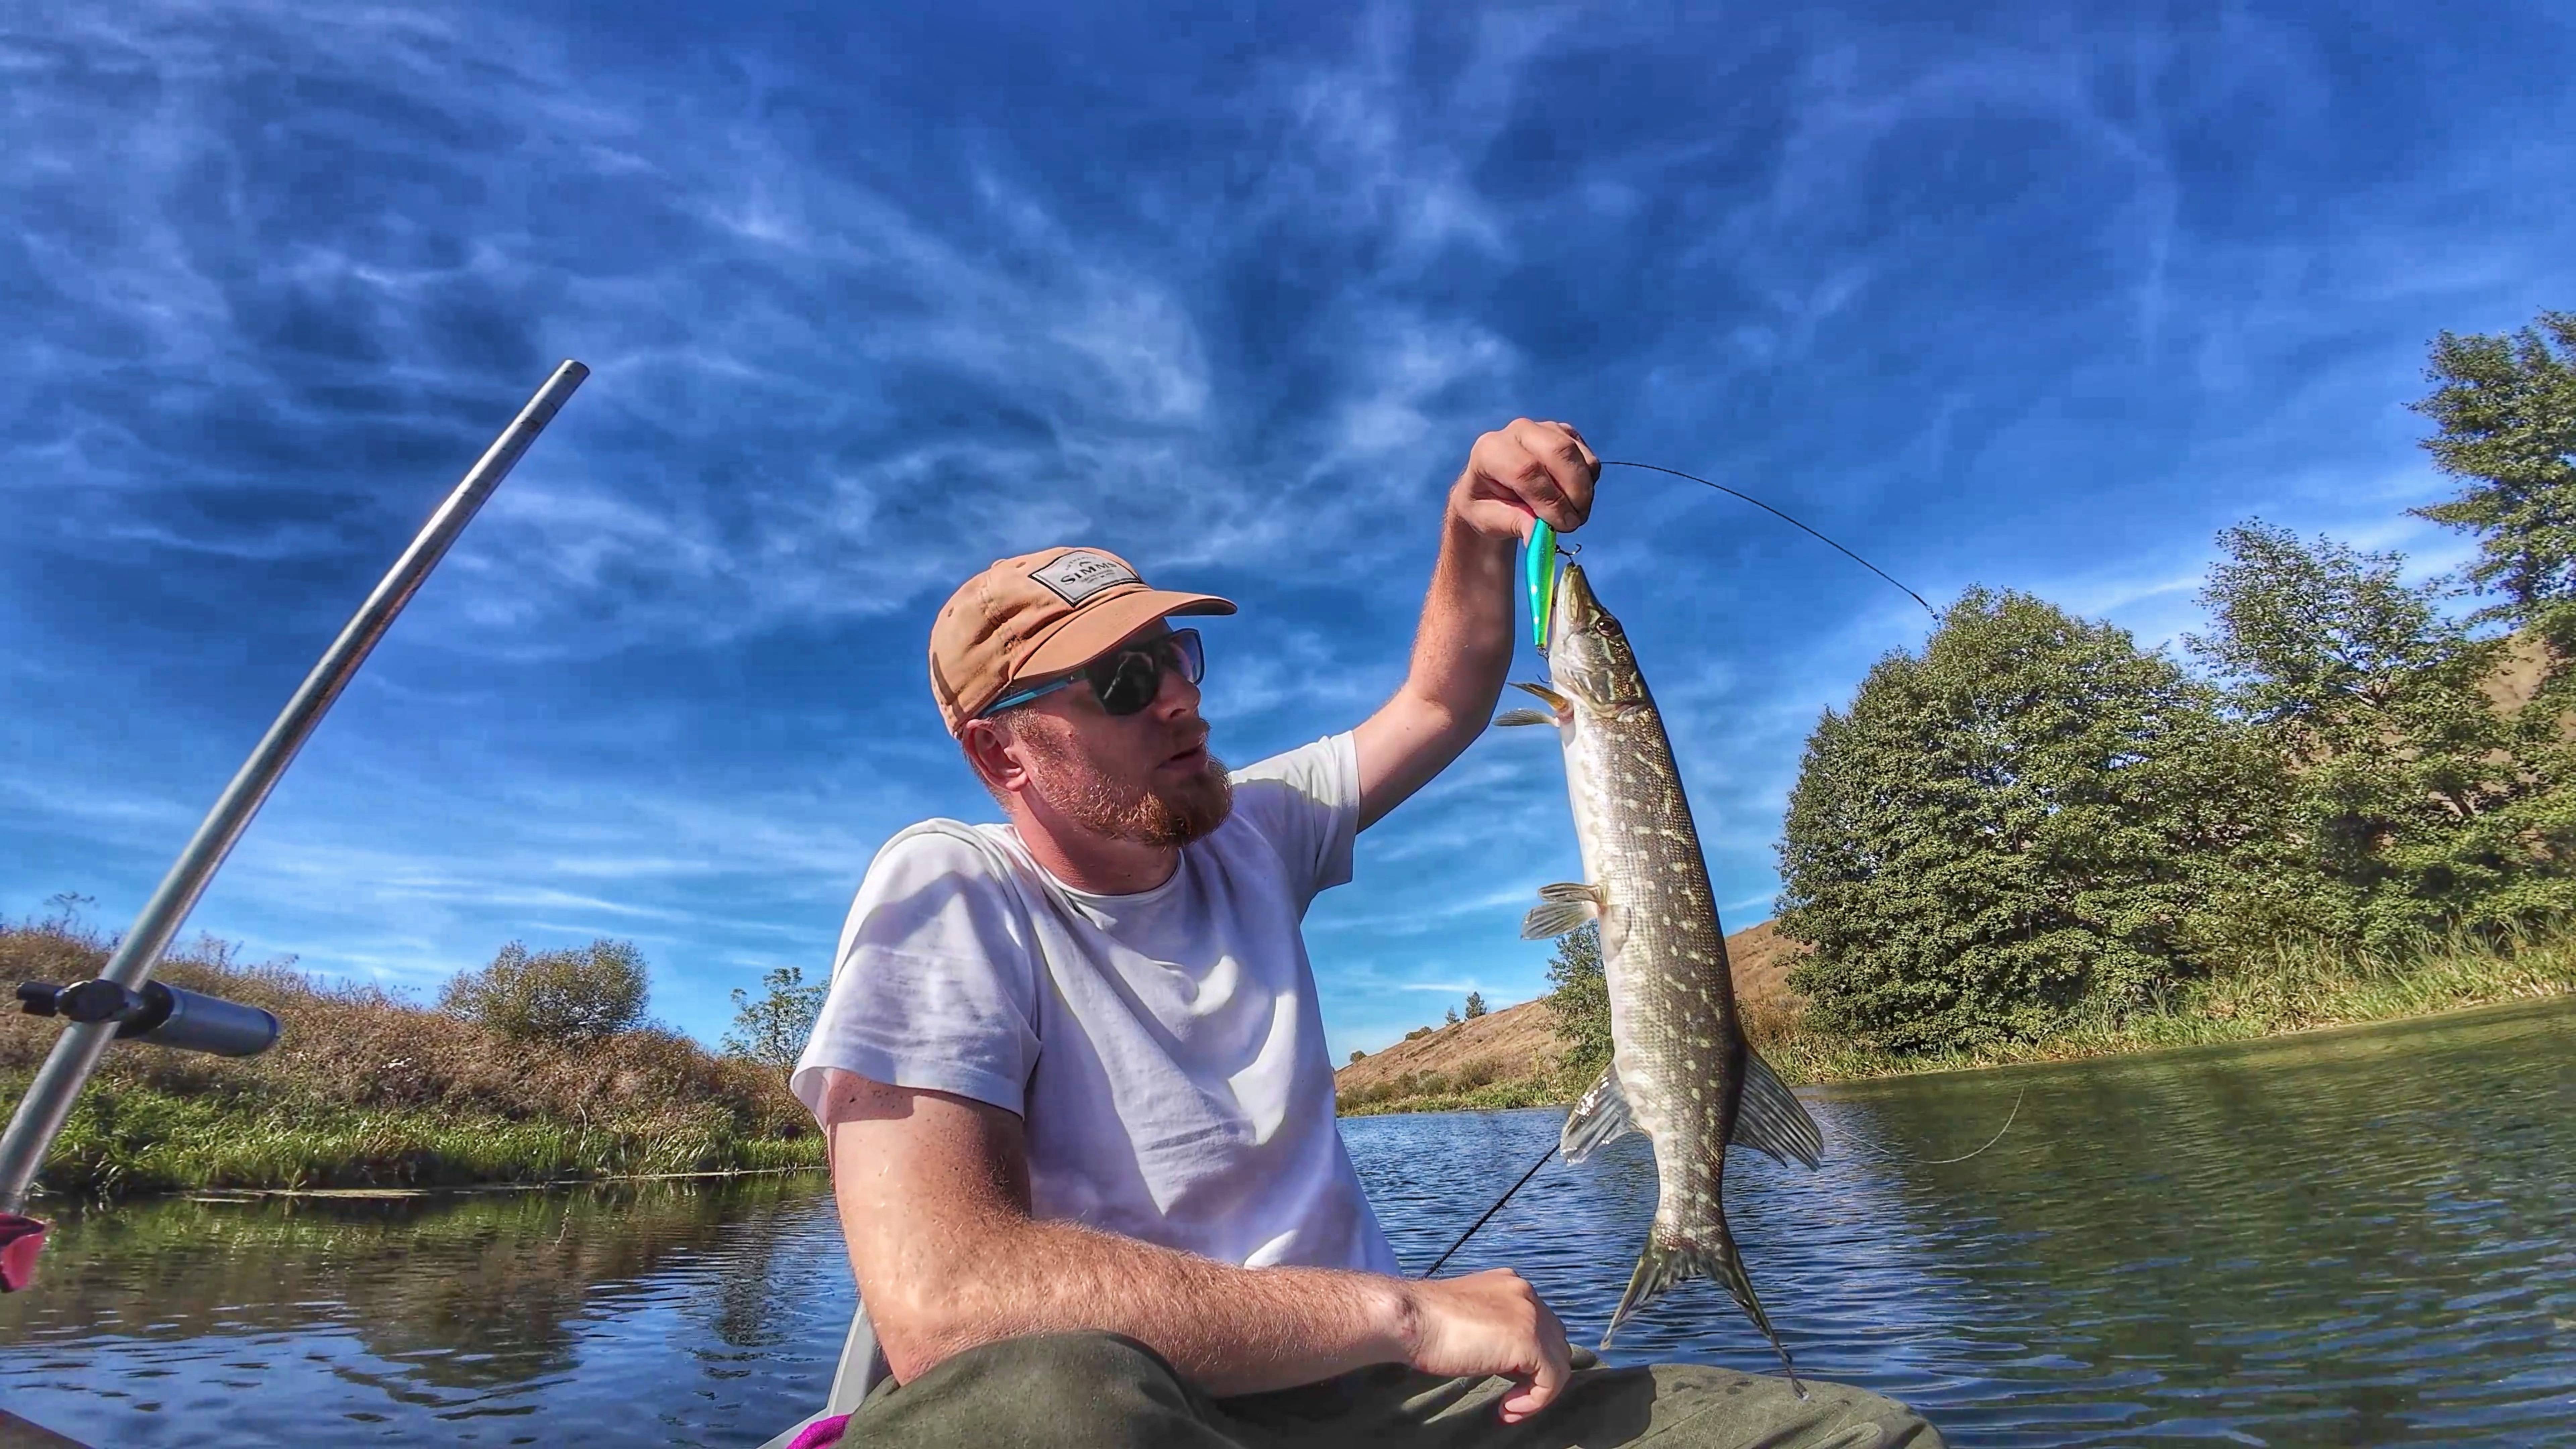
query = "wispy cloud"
x=2037 y=298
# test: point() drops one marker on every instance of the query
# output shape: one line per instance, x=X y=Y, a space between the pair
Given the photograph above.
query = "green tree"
x=2414 y=800
x=2317 y=636
x=771 y=1028
x=2028 y=819
x=1449 y=1017
x=1475 y=1004
x=1580 y=1004
x=574 y=995
x=2505 y=407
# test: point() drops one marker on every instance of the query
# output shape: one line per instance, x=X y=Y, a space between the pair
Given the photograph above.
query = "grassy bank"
x=367 y=1089
x=2296 y=990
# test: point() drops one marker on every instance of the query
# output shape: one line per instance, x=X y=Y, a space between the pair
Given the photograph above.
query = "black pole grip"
x=193 y=1021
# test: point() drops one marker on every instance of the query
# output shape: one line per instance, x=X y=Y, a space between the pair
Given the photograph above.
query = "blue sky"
x=2030 y=295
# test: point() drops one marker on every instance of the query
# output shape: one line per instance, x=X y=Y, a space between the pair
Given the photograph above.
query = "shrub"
x=576 y=995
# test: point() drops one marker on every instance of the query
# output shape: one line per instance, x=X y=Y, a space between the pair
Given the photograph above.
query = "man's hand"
x=1491 y=1323
x=1521 y=469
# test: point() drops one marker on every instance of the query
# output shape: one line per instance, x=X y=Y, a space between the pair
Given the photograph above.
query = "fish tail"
x=1673 y=1257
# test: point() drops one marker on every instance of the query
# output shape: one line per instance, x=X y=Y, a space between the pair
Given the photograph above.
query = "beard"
x=1133 y=811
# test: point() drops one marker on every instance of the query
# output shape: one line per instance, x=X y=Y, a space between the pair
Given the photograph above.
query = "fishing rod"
x=1489 y=1212
x=123 y=1001
x=1552 y=1149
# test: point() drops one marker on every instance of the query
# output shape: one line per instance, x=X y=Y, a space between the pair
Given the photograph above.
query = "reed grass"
x=367 y=1089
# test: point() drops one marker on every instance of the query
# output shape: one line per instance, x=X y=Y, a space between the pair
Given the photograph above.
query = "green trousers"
x=1101 y=1391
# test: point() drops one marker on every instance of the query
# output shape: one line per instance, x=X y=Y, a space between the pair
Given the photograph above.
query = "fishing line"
x=1887 y=1154
x=1489 y=1212
x=1785 y=518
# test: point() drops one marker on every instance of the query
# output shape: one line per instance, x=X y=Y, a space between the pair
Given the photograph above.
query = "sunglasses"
x=1127 y=678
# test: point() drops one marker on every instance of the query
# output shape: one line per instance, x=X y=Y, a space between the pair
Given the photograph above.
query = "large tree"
x=2505 y=407
x=1580 y=1004
x=771 y=1028
x=2029 y=818
x=2416 y=797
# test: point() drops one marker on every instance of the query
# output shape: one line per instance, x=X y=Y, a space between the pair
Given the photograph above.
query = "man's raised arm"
x=934 y=1198
x=1463 y=647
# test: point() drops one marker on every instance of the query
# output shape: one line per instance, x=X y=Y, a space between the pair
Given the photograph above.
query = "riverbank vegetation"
x=2352 y=798
x=538 y=1070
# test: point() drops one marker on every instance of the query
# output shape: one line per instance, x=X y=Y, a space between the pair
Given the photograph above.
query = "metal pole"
x=75 y=1055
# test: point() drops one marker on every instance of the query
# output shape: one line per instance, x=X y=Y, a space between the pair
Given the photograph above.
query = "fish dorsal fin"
x=1769 y=1120
x=1599 y=1116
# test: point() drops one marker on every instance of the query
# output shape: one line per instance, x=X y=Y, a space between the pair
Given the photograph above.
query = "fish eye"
x=1607 y=625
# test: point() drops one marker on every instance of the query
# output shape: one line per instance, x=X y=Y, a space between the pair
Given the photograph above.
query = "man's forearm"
x=1230 y=1330
x=1461 y=652
x=1463 y=647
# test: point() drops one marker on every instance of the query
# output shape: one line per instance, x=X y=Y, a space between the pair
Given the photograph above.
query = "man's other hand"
x=1526 y=468
x=1491 y=1323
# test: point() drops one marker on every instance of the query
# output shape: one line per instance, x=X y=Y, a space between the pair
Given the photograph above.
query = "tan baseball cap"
x=1040 y=614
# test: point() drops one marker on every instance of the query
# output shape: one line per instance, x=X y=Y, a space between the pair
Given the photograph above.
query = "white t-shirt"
x=1164 y=1049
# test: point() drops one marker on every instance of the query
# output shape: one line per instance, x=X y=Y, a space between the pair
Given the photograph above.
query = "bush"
x=2030 y=817
x=1356 y=1055
x=576 y=995
x=1417 y=1033
x=366 y=1088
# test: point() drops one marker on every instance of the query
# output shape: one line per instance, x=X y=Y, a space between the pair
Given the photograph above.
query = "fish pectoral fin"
x=1601 y=1115
x=1511 y=717
x=1563 y=706
x=1772 y=1121
x=1562 y=907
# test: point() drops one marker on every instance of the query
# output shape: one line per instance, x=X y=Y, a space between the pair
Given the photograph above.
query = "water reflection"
x=2363 y=1237
x=648 y=1314
x=2347 y=1238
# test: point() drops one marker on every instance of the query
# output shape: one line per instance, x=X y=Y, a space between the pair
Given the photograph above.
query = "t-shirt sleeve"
x=1306 y=801
x=935 y=985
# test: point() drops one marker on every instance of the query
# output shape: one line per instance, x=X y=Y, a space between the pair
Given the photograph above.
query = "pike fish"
x=1681 y=1071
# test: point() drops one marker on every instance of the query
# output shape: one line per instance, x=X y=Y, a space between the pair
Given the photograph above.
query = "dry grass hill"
x=1510 y=1056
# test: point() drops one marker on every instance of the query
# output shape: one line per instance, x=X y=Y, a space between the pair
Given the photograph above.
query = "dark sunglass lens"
x=1188 y=653
x=1134 y=678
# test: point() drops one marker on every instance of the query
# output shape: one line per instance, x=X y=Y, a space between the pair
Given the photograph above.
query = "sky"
x=2035 y=295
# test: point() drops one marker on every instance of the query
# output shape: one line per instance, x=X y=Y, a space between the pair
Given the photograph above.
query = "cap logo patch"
x=1081 y=573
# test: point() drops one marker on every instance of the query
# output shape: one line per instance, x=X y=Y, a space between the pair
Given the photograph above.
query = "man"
x=1073 y=1076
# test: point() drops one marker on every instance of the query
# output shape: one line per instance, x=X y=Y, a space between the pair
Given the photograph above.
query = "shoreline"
x=1803 y=1059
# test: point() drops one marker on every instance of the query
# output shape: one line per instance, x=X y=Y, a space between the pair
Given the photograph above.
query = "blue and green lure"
x=1538 y=576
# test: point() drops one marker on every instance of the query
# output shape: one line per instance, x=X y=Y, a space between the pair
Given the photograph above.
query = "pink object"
x=21 y=1239
x=820 y=1433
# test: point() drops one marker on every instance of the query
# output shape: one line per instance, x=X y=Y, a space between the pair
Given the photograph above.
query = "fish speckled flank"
x=1681 y=1071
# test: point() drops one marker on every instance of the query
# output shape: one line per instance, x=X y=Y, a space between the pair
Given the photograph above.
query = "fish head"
x=1587 y=652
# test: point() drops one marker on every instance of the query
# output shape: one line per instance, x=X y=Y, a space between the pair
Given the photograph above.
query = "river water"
x=2361 y=1237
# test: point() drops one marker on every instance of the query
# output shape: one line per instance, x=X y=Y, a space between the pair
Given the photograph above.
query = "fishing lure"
x=1538 y=578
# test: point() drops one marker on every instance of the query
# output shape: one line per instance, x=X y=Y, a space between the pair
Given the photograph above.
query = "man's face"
x=1145 y=777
